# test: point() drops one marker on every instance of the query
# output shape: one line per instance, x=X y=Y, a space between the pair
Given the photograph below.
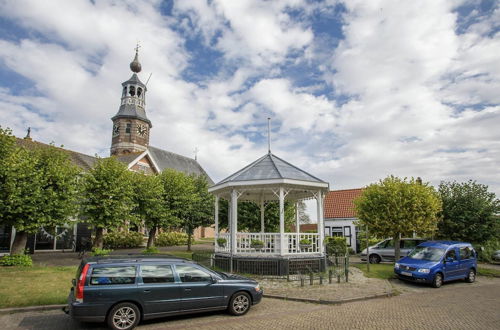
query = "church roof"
x=270 y=167
x=166 y=159
x=134 y=80
x=85 y=162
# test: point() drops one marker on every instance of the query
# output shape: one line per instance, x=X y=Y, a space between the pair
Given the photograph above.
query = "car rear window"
x=113 y=275
x=157 y=274
x=466 y=253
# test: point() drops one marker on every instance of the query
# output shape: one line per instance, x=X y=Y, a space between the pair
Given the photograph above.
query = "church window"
x=132 y=91
x=139 y=92
x=128 y=128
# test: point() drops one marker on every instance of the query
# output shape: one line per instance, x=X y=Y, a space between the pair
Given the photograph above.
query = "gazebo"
x=269 y=178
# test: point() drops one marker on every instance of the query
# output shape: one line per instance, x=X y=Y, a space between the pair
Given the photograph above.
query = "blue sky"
x=356 y=90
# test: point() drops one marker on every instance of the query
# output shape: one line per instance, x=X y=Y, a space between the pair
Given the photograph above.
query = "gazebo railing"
x=271 y=243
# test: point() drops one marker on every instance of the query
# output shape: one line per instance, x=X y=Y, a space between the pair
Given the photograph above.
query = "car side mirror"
x=73 y=282
x=449 y=259
x=214 y=280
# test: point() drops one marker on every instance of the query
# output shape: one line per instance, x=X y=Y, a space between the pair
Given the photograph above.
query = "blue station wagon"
x=436 y=262
x=125 y=290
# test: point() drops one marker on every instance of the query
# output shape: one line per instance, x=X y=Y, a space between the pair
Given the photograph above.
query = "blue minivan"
x=436 y=262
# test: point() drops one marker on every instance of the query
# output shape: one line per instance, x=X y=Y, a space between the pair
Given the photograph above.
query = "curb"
x=12 y=310
x=330 y=302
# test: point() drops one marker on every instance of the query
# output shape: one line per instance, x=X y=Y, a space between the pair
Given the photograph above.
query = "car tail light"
x=81 y=283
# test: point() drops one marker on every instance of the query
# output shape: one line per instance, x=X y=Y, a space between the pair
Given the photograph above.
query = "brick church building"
x=129 y=144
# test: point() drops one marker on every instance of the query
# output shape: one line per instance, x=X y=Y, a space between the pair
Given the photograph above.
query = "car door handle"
x=187 y=289
x=147 y=291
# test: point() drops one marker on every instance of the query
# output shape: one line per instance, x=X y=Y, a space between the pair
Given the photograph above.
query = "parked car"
x=384 y=251
x=125 y=290
x=496 y=255
x=436 y=262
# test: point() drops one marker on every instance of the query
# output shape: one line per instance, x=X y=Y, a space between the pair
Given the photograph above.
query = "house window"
x=347 y=235
x=328 y=231
x=337 y=231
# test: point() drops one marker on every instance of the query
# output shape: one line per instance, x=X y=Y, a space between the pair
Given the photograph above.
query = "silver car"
x=384 y=251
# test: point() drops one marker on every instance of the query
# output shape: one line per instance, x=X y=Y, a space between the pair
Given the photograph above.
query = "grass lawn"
x=382 y=271
x=30 y=286
x=386 y=271
x=41 y=285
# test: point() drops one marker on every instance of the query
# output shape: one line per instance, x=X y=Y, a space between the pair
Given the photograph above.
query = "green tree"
x=201 y=207
x=149 y=203
x=179 y=193
x=249 y=216
x=396 y=207
x=38 y=188
x=107 y=197
x=468 y=212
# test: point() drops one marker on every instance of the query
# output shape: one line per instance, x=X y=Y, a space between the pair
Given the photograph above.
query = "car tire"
x=438 y=280
x=240 y=303
x=471 y=277
x=124 y=316
x=374 y=259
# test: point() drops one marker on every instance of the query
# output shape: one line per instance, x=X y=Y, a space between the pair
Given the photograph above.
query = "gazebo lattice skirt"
x=272 y=265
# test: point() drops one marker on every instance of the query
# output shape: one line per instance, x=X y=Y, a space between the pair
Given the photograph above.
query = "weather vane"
x=269 y=134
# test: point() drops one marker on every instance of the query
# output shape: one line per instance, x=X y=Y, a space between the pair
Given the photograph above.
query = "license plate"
x=406 y=273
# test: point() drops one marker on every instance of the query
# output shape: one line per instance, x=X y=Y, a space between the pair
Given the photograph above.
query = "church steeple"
x=131 y=125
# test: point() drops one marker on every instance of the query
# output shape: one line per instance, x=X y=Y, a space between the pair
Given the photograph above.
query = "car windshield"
x=426 y=253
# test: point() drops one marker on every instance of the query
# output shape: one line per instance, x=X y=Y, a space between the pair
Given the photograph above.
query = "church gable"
x=144 y=165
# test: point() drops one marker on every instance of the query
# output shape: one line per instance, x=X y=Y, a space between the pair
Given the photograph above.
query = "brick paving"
x=456 y=305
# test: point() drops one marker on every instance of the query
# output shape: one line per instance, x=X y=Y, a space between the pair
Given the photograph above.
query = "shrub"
x=171 y=238
x=119 y=239
x=256 y=242
x=485 y=250
x=371 y=241
x=16 y=260
x=96 y=252
x=151 y=250
x=221 y=241
x=336 y=245
x=305 y=241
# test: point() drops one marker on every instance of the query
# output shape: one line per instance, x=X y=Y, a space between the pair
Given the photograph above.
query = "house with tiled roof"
x=340 y=215
x=130 y=145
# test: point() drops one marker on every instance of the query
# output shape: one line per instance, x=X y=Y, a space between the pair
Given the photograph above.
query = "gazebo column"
x=262 y=215
x=297 y=220
x=216 y=215
x=321 y=226
x=234 y=219
x=282 y=221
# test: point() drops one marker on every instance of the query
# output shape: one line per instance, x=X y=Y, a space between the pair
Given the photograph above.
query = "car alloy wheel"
x=374 y=259
x=471 y=277
x=438 y=280
x=240 y=303
x=123 y=316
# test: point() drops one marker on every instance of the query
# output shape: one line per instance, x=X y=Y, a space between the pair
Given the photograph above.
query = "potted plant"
x=221 y=242
x=256 y=244
x=305 y=243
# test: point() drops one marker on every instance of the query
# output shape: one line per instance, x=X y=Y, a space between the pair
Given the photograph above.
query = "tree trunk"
x=99 y=240
x=397 y=252
x=151 y=238
x=190 y=234
x=19 y=243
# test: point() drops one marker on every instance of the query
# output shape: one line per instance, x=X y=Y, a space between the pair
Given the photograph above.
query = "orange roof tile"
x=339 y=203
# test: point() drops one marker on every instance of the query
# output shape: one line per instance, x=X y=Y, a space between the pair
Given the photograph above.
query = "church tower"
x=131 y=126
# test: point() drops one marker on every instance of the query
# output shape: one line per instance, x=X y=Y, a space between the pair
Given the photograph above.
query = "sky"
x=356 y=90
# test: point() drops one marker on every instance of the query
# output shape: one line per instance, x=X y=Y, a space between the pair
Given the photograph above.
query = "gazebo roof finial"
x=269 y=134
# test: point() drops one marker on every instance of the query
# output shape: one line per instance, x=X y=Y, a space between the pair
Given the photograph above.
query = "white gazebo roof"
x=267 y=172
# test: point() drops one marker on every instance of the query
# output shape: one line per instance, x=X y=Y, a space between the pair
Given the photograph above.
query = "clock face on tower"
x=116 y=129
x=142 y=130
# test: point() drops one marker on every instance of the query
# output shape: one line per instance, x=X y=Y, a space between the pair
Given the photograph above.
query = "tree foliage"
x=38 y=188
x=249 y=216
x=150 y=207
x=468 y=212
x=107 y=197
x=394 y=207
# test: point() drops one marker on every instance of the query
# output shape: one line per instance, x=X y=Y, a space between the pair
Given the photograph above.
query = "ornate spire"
x=135 y=66
x=28 y=135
